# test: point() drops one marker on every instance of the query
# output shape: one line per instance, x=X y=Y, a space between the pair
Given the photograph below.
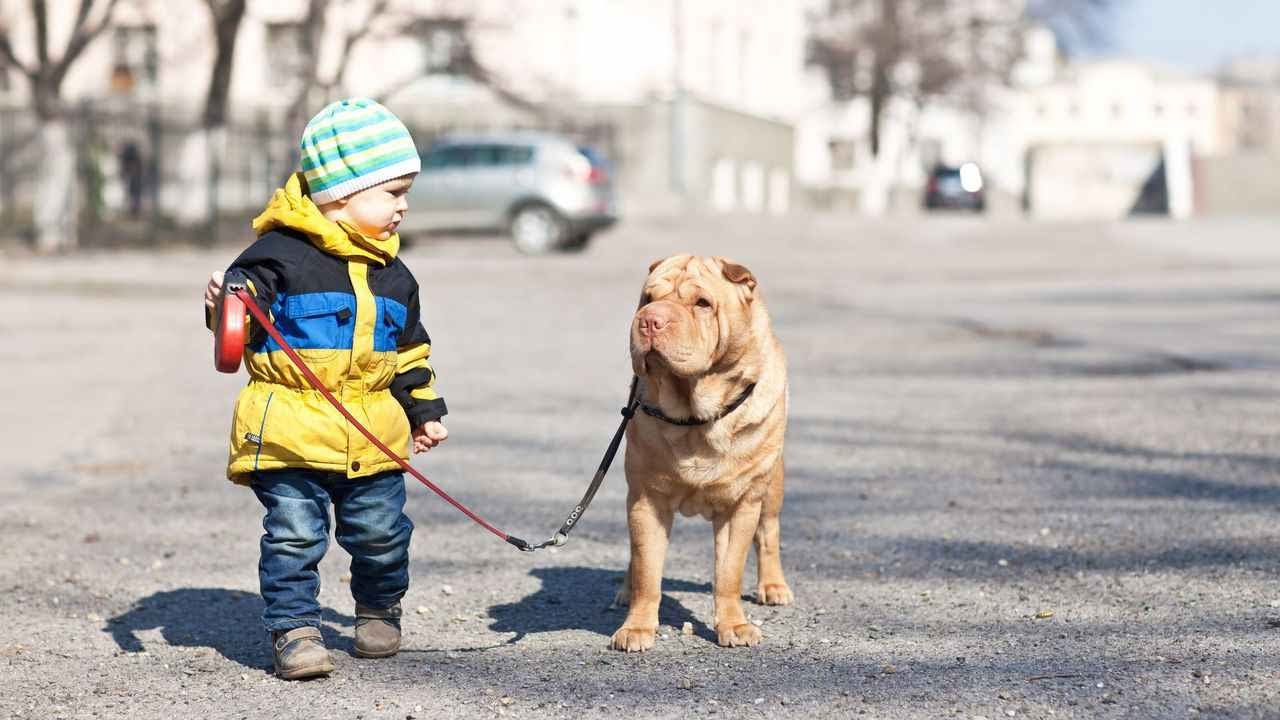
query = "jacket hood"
x=292 y=209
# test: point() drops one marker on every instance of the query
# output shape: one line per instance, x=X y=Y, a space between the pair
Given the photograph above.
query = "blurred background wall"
x=150 y=120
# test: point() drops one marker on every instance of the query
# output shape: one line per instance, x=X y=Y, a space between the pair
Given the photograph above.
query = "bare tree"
x=212 y=135
x=227 y=15
x=916 y=50
x=313 y=85
x=459 y=59
x=922 y=50
x=57 y=201
x=384 y=21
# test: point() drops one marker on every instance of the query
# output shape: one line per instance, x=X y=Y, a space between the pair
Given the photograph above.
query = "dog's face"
x=695 y=313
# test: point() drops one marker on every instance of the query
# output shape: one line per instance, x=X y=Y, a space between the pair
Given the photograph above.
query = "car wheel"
x=537 y=229
x=577 y=243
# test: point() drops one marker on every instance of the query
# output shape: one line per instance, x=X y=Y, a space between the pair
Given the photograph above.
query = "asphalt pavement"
x=1032 y=472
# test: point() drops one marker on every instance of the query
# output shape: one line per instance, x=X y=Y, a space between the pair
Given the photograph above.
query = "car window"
x=455 y=156
x=449 y=156
x=433 y=159
x=484 y=155
x=514 y=154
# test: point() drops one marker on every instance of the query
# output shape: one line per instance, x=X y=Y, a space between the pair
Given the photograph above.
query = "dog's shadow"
x=580 y=598
x=228 y=622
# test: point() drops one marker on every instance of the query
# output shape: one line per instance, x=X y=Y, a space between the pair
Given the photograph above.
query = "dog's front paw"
x=774 y=594
x=633 y=639
x=744 y=635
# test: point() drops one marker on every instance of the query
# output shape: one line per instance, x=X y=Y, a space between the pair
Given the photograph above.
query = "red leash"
x=228 y=348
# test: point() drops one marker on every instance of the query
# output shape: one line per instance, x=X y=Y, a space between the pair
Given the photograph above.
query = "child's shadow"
x=226 y=621
x=578 y=598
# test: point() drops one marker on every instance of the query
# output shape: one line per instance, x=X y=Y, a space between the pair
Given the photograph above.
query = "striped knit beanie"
x=352 y=145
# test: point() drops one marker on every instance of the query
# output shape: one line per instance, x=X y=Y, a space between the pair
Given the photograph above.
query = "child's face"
x=377 y=211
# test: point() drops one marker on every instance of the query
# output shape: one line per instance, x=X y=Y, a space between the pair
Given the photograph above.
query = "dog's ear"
x=735 y=273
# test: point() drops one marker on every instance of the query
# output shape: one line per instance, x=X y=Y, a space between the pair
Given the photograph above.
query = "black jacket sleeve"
x=414 y=384
x=265 y=265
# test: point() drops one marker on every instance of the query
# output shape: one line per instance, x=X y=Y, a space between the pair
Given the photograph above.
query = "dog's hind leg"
x=772 y=588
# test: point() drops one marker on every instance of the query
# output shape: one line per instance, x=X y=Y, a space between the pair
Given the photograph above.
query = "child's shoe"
x=377 y=631
x=300 y=653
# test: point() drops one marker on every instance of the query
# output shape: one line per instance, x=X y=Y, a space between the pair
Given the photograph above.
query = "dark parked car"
x=956 y=187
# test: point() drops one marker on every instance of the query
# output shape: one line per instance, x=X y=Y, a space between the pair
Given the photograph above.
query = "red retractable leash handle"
x=228 y=348
x=229 y=334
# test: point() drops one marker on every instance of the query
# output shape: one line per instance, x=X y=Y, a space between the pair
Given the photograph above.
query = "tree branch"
x=40 y=13
x=10 y=58
x=81 y=35
x=352 y=39
x=312 y=28
x=82 y=14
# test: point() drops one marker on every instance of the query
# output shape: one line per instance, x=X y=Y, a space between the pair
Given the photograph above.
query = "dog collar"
x=656 y=412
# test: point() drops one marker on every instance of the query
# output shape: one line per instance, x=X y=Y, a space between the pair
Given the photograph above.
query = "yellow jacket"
x=350 y=308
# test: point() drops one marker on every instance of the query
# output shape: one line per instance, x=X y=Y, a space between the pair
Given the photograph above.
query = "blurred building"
x=694 y=97
x=1106 y=139
x=702 y=91
x=702 y=105
x=1245 y=176
x=1250 y=105
x=1078 y=140
x=834 y=155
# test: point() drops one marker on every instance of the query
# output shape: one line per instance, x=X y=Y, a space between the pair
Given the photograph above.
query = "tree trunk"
x=878 y=98
x=57 y=198
x=58 y=191
x=887 y=46
x=226 y=27
x=887 y=52
x=874 y=198
x=57 y=201
x=206 y=145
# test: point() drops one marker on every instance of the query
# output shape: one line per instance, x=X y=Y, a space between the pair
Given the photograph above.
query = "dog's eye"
x=703 y=303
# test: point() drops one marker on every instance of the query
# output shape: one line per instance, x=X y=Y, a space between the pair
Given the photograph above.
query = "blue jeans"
x=371 y=526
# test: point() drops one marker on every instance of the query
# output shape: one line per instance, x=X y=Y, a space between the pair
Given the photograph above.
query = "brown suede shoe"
x=377 y=631
x=300 y=653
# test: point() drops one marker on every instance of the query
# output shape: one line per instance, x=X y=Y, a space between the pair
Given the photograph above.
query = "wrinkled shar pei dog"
x=713 y=388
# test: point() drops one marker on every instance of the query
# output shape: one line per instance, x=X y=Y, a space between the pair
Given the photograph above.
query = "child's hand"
x=213 y=292
x=429 y=435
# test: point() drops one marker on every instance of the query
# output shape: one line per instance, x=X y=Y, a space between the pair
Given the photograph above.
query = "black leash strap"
x=562 y=535
x=654 y=411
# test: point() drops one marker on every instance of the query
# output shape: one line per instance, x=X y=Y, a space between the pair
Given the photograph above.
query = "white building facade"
x=1103 y=125
x=740 y=56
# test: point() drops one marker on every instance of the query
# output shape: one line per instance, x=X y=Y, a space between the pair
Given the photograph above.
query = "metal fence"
x=147 y=176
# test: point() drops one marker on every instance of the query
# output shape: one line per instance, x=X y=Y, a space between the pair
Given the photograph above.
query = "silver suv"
x=546 y=192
